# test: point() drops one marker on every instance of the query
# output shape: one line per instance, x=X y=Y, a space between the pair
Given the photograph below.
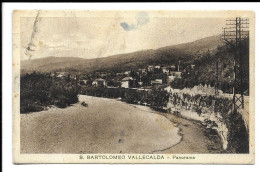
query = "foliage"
x=40 y=90
x=238 y=137
x=102 y=92
x=237 y=133
x=211 y=63
x=155 y=98
x=202 y=103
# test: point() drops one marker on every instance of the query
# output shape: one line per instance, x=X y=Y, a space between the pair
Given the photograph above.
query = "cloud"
x=142 y=18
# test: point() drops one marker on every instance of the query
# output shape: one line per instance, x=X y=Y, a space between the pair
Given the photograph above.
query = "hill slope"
x=166 y=55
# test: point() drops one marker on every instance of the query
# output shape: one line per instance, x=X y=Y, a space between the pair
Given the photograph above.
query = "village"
x=142 y=78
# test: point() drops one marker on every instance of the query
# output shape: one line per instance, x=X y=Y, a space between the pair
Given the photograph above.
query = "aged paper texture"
x=133 y=87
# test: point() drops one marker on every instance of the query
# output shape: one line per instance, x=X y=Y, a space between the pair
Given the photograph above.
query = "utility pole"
x=179 y=66
x=217 y=78
x=233 y=35
x=217 y=70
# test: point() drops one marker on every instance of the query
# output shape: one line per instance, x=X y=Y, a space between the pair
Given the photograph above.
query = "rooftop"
x=127 y=79
x=99 y=79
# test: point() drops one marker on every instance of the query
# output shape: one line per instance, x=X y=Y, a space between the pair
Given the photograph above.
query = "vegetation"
x=41 y=90
x=237 y=134
x=208 y=63
x=155 y=98
x=202 y=103
x=103 y=92
x=238 y=137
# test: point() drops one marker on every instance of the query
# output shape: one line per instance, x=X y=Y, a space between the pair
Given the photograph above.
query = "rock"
x=84 y=104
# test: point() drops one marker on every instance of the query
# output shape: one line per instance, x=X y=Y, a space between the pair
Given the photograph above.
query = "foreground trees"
x=41 y=90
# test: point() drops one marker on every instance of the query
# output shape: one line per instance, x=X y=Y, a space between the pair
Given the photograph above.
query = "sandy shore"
x=195 y=137
x=111 y=126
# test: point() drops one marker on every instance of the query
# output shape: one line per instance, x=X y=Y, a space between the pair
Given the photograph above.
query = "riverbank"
x=196 y=138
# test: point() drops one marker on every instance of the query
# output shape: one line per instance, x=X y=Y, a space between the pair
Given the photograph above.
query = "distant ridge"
x=164 y=55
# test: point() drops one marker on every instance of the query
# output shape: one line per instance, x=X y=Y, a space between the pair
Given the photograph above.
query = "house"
x=76 y=77
x=83 y=81
x=192 y=66
x=127 y=82
x=150 y=68
x=119 y=74
x=52 y=74
x=103 y=74
x=157 y=67
x=127 y=73
x=172 y=68
x=61 y=74
x=99 y=83
x=170 y=79
x=176 y=74
x=165 y=70
x=157 y=82
x=142 y=71
x=140 y=83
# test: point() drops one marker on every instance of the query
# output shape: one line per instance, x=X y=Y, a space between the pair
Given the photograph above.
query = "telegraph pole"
x=217 y=78
x=237 y=31
x=179 y=66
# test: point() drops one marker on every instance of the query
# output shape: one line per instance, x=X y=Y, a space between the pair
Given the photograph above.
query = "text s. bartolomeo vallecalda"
x=133 y=157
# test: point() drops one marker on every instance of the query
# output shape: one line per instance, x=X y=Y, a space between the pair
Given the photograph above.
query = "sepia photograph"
x=133 y=86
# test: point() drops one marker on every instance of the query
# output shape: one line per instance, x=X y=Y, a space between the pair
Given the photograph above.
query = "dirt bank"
x=195 y=137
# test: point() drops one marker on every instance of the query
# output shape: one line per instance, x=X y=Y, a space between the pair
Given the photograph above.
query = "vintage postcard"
x=133 y=87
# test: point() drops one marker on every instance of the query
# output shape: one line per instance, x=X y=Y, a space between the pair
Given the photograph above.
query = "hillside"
x=166 y=55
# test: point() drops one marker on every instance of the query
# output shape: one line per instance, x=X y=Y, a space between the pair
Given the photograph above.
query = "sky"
x=98 y=36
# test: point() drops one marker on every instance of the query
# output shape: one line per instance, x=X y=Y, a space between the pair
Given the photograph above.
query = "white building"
x=99 y=83
x=172 y=67
x=156 y=82
x=165 y=70
x=176 y=74
x=170 y=79
x=127 y=73
x=61 y=74
x=140 y=83
x=126 y=82
x=150 y=68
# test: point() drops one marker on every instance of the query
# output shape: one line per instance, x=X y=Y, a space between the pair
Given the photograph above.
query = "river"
x=109 y=126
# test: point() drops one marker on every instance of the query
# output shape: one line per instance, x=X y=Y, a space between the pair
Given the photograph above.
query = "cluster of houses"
x=149 y=76
x=169 y=73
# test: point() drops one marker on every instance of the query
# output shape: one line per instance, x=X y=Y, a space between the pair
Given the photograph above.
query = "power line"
x=234 y=36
